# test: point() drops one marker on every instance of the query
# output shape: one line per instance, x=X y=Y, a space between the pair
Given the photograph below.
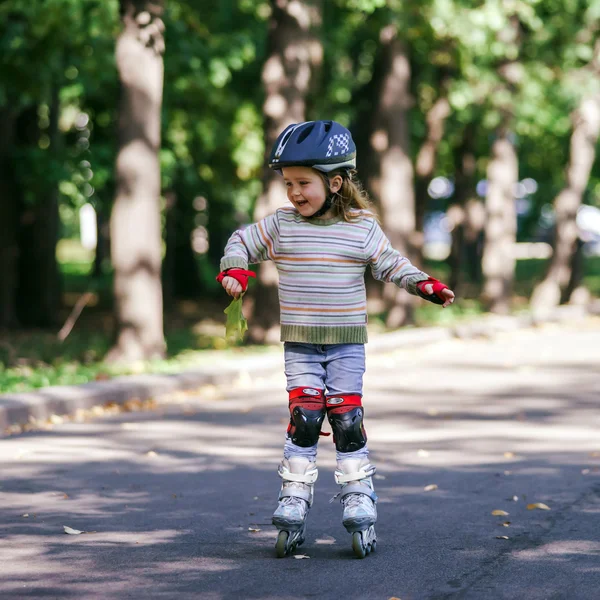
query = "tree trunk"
x=586 y=130
x=501 y=225
x=426 y=161
x=295 y=52
x=9 y=219
x=464 y=234
x=136 y=241
x=102 y=253
x=392 y=184
x=181 y=278
x=39 y=280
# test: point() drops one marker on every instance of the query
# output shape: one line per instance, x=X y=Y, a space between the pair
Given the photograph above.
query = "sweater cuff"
x=233 y=262
x=410 y=282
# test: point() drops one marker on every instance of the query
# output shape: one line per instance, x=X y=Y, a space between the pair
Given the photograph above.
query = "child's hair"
x=350 y=198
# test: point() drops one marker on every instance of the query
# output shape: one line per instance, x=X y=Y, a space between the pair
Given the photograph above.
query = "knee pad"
x=345 y=414
x=307 y=411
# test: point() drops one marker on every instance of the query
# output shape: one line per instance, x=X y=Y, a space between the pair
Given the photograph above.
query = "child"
x=321 y=246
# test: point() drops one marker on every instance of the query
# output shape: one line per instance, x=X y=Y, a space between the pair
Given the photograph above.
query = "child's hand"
x=435 y=291
x=232 y=287
x=447 y=293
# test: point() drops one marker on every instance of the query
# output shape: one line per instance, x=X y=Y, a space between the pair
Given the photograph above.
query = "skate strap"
x=295 y=492
x=358 y=488
x=365 y=472
x=309 y=477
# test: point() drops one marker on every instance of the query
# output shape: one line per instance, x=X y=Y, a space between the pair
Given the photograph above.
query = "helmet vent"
x=304 y=134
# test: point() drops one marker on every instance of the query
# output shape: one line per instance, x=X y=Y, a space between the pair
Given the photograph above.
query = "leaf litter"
x=71 y=531
x=538 y=505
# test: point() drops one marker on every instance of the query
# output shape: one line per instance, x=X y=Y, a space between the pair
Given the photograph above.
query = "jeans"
x=337 y=368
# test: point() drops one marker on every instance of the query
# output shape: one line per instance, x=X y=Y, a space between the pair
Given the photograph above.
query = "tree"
x=9 y=250
x=294 y=53
x=586 y=131
x=39 y=282
x=391 y=174
x=136 y=243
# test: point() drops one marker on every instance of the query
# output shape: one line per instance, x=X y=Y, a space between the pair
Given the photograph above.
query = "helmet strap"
x=326 y=206
x=328 y=200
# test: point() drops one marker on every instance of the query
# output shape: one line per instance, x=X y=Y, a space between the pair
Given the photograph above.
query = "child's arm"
x=387 y=264
x=256 y=243
x=253 y=244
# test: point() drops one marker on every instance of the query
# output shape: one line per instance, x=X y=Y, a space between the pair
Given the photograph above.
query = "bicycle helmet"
x=322 y=145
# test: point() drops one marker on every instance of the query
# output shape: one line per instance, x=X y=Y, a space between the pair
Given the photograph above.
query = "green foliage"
x=236 y=324
x=212 y=150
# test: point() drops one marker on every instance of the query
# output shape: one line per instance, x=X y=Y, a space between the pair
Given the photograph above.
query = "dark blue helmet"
x=322 y=145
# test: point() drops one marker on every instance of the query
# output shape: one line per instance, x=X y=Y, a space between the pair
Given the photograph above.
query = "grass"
x=194 y=333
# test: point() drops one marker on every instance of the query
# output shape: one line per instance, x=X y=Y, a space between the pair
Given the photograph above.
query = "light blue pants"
x=336 y=368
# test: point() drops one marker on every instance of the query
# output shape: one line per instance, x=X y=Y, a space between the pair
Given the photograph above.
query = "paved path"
x=179 y=499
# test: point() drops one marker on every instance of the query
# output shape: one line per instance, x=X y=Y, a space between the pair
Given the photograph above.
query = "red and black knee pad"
x=345 y=413
x=307 y=412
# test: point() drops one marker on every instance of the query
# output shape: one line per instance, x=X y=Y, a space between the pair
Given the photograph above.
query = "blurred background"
x=133 y=141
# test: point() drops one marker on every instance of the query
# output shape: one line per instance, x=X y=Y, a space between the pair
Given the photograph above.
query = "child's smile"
x=305 y=189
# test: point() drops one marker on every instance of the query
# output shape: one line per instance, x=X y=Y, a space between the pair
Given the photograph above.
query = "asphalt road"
x=177 y=501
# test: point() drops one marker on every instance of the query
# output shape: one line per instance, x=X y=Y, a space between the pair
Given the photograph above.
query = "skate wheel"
x=281 y=544
x=374 y=546
x=357 y=545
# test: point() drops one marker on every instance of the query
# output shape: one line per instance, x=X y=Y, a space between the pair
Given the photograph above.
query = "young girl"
x=321 y=246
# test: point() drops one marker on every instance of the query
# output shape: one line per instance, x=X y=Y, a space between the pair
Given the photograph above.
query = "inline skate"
x=358 y=498
x=295 y=499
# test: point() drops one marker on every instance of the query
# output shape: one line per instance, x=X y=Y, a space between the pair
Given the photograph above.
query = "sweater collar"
x=321 y=222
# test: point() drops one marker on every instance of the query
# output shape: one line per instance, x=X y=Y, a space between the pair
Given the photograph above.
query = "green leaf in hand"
x=236 y=324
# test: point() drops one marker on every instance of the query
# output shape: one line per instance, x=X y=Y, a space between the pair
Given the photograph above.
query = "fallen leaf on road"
x=72 y=531
x=585 y=471
x=433 y=412
x=500 y=513
x=508 y=472
x=506 y=524
x=301 y=556
x=539 y=505
x=502 y=537
x=430 y=487
x=253 y=530
x=509 y=455
x=423 y=453
x=25 y=515
x=594 y=454
x=151 y=454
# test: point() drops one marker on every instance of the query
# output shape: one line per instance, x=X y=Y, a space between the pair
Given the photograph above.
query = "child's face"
x=305 y=189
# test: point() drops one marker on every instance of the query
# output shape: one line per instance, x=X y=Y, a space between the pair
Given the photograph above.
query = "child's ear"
x=335 y=183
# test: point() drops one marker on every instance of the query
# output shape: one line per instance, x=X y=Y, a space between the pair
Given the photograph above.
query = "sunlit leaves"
x=236 y=324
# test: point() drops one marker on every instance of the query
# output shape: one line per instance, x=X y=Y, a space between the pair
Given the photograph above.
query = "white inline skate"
x=358 y=497
x=295 y=499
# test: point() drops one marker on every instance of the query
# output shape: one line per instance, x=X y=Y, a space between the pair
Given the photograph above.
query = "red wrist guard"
x=240 y=275
x=436 y=296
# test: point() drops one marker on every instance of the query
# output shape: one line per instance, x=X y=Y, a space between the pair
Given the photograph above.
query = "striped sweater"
x=321 y=265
